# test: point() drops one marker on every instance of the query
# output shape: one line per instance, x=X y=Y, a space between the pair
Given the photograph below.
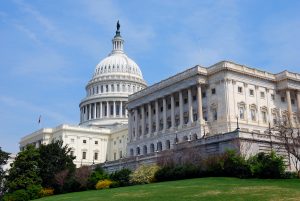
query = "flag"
x=39 y=121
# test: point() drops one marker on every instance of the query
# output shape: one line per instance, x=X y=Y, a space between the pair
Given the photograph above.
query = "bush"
x=178 y=172
x=103 y=184
x=46 y=192
x=97 y=175
x=144 y=174
x=18 y=195
x=121 y=177
x=290 y=175
x=33 y=191
x=267 y=166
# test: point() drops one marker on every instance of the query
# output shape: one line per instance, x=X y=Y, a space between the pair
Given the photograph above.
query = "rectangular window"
x=96 y=142
x=282 y=99
x=177 y=104
x=293 y=101
x=72 y=153
x=115 y=156
x=253 y=115
x=185 y=101
x=121 y=154
x=272 y=96
x=72 y=140
x=203 y=94
x=84 y=155
x=264 y=116
x=194 y=98
x=213 y=91
x=251 y=92
x=84 y=141
x=242 y=113
x=240 y=89
x=96 y=156
x=262 y=94
x=215 y=114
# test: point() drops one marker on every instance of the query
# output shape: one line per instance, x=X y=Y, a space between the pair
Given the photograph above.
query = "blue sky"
x=49 y=49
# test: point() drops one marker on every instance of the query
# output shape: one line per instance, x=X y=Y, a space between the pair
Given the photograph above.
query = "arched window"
x=131 y=152
x=144 y=149
x=159 y=146
x=138 y=151
x=168 y=144
x=151 y=148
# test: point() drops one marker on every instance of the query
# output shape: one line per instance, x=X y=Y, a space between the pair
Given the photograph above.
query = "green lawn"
x=231 y=189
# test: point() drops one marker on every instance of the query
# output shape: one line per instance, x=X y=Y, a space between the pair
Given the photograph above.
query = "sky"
x=49 y=49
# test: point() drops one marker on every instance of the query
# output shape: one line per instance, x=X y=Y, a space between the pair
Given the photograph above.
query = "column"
x=288 y=99
x=107 y=109
x=90 y=111
x=95 y=110
x=156 y=116
x=172 y=112
x=114 y=108
x=190 y=106
x=298 y=104
x=180 y=109
x=143 y=120
x=164 y=114
x=199 y=98
x=130 y=123
x=126 y=112
x=149 y=118
x=135 y=123
x=101 y=110
x=121 y=109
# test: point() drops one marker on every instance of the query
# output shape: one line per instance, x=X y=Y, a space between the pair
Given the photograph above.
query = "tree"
x=54 y=158
x=82 y=175
x=60 y=178
x=3 y=160
x=24 y=172
x=289 y=135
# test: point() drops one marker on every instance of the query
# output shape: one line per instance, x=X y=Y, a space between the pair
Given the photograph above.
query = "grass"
x=194 y=189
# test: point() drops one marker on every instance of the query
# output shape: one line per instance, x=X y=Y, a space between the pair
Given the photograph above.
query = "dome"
x=118 y=63
x=114 y=79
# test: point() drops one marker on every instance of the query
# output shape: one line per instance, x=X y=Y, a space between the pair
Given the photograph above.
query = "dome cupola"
x=115 y=77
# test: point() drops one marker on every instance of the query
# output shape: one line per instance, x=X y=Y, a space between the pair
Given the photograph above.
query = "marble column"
x=143 y=120
x=180 y=109
x=199 y=99
x=121 y=109
x=107 y=109
x=164 y=114
x=156 y=116
x=288 y=99
x=90 y=111
x=298 y=104
x=149 y=118
x=190 y=106
x=172 y=112
x=136 y=122
x=100 y=109
x=114 y=112
x=95 y=110
x=130 y=123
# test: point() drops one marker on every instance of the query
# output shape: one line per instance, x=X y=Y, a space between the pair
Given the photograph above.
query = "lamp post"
x=237 y=123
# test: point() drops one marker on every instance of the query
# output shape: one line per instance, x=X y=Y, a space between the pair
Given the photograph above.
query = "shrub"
x=18 y=195
x=46 y=192
x=97 y=175
x=102 y=184
x=267 y=166
x=33 y=191
x=121 y=177
x=144 y=174
x=178 y=172
x=290 y=175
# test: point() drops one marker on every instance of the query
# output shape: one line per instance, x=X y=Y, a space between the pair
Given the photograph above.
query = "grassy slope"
x=194 y=189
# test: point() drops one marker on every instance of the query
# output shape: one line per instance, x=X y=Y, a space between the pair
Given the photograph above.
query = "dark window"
x=293 y=101
x=273 y=96
x=240 y=89
x=96 y=156
x=251 y=92
x=282 y=99
x=161 y=109
x=177 y=103
x=96 y=142
x=194 y=98
x=84 y=141
x=203 y=94
x=262 y=94
x=213 y=91
x=84 y=155
x=185 y=101
x=169 y=106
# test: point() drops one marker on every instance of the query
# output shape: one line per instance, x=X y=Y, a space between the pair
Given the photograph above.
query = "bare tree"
x=61 y=177
x=287 y=132
x=81 y=175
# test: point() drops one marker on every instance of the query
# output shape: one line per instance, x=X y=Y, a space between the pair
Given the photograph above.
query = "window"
x=203 y=95
x=96 y=156
x=169 y=106
x=96 y=142
x=194 y=98
x=120 y=141
x=84 y=155
x=115 y=156
x=177 y=103
x=251 y=92
x=264 y=116
x=72 y=153
x=72 y=140
x=242 y=113
x=121 y=154
x=185 y=101
x=161 y=109
x=115 y=143
x=293 y=101
x=213 y=91
x=282 y=99
x=272 y=96
x=215 y=114
x=262 y=94
x=253 y=114
x=240 y=89
x=84 y=141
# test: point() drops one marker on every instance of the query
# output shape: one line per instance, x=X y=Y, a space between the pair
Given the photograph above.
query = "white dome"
x=118 y=63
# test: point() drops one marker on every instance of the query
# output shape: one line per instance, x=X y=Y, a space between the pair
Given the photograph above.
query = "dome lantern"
x=117 y=41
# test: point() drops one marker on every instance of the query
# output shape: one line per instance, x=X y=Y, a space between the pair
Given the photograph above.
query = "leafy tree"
x=3 y=160
x=54 y=158
x=97 y=174
x=25 y=170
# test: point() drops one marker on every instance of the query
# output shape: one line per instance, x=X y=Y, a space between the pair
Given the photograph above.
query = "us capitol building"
x=124 y=122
